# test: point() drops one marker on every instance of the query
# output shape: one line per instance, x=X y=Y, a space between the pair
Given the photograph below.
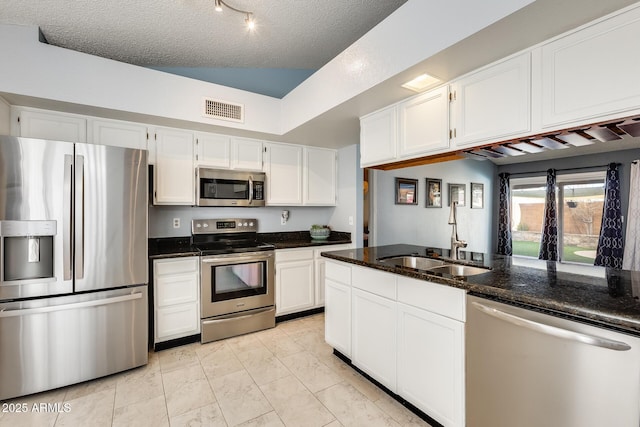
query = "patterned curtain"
x=631 y=259
x=549 y=240
x=610 y=245
x=504 y=216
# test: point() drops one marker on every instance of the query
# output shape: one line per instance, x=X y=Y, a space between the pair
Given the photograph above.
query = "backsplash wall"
x=300 y=218
x=418 y=225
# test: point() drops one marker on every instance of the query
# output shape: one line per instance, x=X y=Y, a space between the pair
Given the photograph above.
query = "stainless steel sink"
x=458 y=270
x=419 y=263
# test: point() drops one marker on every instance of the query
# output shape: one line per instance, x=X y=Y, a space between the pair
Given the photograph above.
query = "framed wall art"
x=456 y=194
x=477 y=195
x=406 y=191
x=434 y=193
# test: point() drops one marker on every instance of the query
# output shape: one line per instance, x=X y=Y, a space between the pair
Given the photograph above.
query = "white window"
x=580 y=197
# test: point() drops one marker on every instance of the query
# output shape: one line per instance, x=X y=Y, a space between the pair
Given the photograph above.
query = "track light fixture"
x=251 y=24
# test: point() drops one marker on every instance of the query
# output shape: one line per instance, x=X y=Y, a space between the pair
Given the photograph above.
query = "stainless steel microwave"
x=229 y=188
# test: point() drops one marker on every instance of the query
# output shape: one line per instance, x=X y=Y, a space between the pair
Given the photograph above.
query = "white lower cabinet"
x=295 y=287
x=407 y=334
x=176 y=297
x=373 y=336
x=431 y=363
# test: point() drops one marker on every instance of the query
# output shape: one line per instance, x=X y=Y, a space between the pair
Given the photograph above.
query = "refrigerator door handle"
x=67 y=220
x=72 y=306
x=79 y=217
x=553 y=330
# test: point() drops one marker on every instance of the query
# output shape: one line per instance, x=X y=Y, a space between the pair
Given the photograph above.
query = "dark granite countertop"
x=301 y=239
x=611 y=301
x=169 y=247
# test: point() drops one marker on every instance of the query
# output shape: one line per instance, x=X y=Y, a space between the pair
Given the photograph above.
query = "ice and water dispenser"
x=27 y=250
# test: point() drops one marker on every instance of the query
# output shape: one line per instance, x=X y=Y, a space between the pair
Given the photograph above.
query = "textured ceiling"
x=299 y=34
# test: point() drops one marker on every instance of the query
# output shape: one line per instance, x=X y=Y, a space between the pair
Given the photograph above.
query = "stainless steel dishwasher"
x=525 y=368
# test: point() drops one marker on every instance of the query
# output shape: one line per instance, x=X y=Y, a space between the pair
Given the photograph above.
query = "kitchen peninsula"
x=486 y=339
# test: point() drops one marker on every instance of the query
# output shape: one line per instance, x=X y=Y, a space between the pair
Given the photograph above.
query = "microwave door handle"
x=250 y=189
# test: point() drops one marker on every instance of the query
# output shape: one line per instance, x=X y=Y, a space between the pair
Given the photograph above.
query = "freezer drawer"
x=54 y=342
x=526 y=368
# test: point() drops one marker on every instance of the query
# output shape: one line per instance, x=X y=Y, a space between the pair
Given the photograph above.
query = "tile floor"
x=286 y=376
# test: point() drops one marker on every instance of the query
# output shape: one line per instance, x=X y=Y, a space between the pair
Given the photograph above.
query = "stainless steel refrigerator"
x=73 y=263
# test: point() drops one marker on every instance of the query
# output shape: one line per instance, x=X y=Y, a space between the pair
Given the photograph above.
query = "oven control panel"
x=226 y=225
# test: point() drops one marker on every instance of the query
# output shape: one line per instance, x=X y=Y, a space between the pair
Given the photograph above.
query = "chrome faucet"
x=456 y=243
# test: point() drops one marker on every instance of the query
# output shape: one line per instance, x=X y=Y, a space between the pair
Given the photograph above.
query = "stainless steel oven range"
x=237 y=278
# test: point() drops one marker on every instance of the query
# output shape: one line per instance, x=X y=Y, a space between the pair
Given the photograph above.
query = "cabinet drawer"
x=338 y=272
x=439 y=299
x=343 y=247
x=176 y=266
x=374 y=281
x=294 y=255
x=176 y=289
x=177 y=321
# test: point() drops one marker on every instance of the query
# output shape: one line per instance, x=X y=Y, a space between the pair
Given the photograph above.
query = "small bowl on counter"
x=319 y=232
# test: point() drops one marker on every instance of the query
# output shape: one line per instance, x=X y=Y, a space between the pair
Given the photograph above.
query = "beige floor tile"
x=178 y=357
x=219 y=360
x=263 y=366
x=94 y=409
x=36 y=410
x=335 y=423
x=352 y=408
x=314 y=374
x=245 y=343
x=267 y=420
x=398 y=412
x=281 y=345
x=296 y=405
x=239 y=397
x=206 y=416
x=139 y=386
x=151 y=412
x=90 y=387
x=186 y=389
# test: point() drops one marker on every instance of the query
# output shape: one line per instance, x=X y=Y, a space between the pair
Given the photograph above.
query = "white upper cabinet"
x=320 y=176
x=379 y=136
x=246 y=154
x=424 y=123
x=117 y=133
x=593 y=73
x=493 y=103
x=213 y=150
x=174 y=175
x=283 y=166
x=44 y=124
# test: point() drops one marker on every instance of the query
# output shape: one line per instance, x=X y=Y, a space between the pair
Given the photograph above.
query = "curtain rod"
x=564 y=170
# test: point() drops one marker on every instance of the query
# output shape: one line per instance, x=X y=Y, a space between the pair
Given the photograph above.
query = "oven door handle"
x=246 y=257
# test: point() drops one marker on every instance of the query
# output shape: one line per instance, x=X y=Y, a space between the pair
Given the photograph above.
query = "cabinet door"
x=590 y=73
x=295 y=289
x=424 y=123
x=213 y=150
x=320 y=177
x=176 y=321
x=337 y=316
x=431 y=364
x=493 y=103
x=174 y=175
x=246 y=154
x=319 y=282
x=374 y=336
x=117 y=133
x=379 y=137
x=51 y=125
x=283 y=166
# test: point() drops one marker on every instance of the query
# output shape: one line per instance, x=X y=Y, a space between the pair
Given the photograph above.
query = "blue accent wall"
x=274 y=82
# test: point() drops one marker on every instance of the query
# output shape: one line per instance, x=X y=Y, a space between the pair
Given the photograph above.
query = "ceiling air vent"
x=223 y=110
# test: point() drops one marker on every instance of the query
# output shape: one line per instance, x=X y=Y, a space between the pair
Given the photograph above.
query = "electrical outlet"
x=176 y=222
x=350 y=220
